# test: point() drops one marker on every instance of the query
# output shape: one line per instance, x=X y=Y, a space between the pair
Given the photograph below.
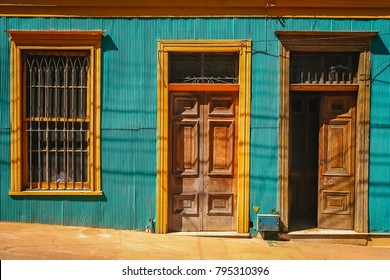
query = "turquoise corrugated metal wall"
x=379 y=177
x=129 y=86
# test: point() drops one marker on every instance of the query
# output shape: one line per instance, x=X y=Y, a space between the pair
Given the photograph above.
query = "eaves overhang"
x=196 y=8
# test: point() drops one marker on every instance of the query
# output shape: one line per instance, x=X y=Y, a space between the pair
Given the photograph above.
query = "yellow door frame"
x=243 y=48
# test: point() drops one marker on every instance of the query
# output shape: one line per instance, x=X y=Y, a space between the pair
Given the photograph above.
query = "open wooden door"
x=336 y=172
x=203 y=161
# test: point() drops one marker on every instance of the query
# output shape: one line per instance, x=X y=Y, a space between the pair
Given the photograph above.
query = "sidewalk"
x=20 y=241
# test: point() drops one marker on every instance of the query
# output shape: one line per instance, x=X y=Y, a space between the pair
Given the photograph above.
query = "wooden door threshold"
x=327 y=235
x=223 y=234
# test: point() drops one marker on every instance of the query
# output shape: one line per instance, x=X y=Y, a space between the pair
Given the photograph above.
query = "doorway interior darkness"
x=304 y=118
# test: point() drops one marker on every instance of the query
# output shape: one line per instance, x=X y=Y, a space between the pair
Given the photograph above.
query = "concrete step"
x=327 y=235
x=224 y=234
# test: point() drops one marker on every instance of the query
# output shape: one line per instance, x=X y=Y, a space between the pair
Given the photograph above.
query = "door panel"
x=203 y=139
x=186 y=145
x=221 y=147
x=220 y=164
x=185 y=180
x=185 y=204
x=338 y=147
x=336 y=162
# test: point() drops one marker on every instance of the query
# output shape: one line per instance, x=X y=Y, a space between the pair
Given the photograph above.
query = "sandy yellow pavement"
x=22 y=241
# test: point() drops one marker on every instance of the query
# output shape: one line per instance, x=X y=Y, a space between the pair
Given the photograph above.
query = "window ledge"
x=69 y=193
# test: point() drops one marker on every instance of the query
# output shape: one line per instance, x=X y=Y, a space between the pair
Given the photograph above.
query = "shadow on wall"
x=378 y=46
x=108 y=44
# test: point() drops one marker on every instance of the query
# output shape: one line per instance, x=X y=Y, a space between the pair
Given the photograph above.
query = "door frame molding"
x=243 y=48
x=324 y=41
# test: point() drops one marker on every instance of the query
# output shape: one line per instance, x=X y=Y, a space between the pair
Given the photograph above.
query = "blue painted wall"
x=129 y=119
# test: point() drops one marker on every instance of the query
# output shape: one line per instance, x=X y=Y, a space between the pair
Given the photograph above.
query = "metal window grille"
x=200 y=68
x=324 y=68
x=56 y=120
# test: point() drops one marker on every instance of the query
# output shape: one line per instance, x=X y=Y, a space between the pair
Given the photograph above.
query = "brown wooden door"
x=336 y=172
x=203 y=146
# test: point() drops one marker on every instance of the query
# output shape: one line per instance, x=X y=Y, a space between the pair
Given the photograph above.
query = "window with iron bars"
x=56 y=121
x=55 y=117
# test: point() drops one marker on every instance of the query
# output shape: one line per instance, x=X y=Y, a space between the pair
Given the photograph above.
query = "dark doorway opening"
x=303 y=185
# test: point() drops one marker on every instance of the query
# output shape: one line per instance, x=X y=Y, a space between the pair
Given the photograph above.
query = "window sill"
x=62 y=193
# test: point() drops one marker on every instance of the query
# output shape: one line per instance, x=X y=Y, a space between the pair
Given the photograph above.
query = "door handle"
x=325 y=182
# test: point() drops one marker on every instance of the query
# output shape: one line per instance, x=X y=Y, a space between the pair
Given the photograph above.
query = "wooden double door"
x=202 y=161
x=322 y=173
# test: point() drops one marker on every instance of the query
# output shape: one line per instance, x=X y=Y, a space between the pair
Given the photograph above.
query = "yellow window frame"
x=22 y=41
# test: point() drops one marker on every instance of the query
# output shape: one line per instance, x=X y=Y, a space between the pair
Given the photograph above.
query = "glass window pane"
x=323 y=68
x=218 y=68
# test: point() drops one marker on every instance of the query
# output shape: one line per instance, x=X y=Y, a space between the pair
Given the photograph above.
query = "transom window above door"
x=203 y=68
x=324 y=68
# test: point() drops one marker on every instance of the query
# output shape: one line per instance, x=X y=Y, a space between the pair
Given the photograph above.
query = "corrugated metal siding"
x=129 y=75
x=4 y=74
x=379 y=177
x=129 y=116
x=4 y=121
x=264 y=117
x=379 y=188
x=129 y=181
x=264 y=183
